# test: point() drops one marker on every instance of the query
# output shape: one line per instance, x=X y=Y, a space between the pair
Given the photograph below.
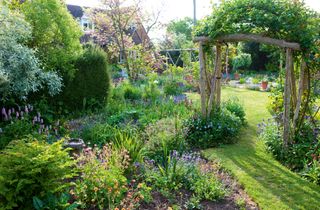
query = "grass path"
x=268 y=183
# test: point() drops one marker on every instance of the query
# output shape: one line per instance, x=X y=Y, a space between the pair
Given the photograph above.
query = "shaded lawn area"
x=269 y=183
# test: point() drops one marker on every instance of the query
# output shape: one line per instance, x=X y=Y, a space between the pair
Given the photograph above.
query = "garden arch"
x=211 y=94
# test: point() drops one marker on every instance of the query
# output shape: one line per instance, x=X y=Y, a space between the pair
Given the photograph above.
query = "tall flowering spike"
x=26 y=110
x=4 y=113
x=41 y=121
x=17 y=115
x=38 y=114
x=13 y=110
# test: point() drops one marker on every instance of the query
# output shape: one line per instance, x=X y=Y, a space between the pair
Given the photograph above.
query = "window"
x=86 y=24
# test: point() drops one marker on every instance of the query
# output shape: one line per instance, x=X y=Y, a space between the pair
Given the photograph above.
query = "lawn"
x=269 y=183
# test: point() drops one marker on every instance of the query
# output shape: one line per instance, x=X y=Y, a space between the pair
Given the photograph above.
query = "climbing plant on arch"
x=288 y=24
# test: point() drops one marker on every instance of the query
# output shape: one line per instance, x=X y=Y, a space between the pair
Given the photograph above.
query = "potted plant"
x=236 y=75
x=264 y=83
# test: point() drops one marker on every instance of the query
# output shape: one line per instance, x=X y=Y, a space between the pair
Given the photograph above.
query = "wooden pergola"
x=211 y=90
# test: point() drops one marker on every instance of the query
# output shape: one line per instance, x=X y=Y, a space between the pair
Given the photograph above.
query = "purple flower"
x=4 y=113
x=17 y=115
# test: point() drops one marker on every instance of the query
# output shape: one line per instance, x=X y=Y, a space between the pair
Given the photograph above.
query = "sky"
x=177 y=9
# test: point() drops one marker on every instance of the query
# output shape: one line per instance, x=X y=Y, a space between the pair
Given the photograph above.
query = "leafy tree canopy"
x=56 y=35
x=182 y=26
x=280 y=19
x=20 y=73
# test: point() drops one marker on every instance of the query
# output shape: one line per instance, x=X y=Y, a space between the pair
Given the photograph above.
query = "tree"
x=56 y=35
x=182 y=26
x=20 y=72
x=112 y=24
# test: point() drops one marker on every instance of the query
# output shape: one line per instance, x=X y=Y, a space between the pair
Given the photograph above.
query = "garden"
x=238 y=128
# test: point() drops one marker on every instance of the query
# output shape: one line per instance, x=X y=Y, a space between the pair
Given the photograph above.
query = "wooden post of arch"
x=215 y=85
x=202 y=81
x=287 y=98
x=218 y=65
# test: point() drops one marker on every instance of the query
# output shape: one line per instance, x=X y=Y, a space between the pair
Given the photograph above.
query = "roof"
x=75 y=10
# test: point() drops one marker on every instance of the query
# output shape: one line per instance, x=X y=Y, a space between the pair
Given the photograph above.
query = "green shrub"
x=222 y=128
x=183 y=171
x=241 y=61
x=242 y=81
x=151 y=92
x=17 y=129
x=312 y=172
x=91 y=85
x=132 y=93
x=234 y=106
x=98 y=134
x=172 y=88
x=165 y=131
x=31 y=168
x=207 y=187
x=132 y=144
x=102 y=183
x=302 y=151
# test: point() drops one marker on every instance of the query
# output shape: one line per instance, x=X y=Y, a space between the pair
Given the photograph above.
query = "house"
x=136 y=31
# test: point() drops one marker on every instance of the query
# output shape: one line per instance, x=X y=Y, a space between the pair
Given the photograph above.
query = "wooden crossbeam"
x=250 y=37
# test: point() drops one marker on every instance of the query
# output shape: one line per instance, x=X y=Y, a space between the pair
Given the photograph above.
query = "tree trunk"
x=293 y=87
x=287 y=98
x=300 y=93
x=214 y=81
x=218 y=78
x=227 y=64
x=202 y=80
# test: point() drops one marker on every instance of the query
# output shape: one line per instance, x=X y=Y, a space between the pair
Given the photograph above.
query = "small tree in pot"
x=241 y=61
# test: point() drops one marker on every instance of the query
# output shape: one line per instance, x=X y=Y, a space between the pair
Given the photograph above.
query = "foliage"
x=19 y=122
x=32 y=168
x=262 y=176
x=221 y=128
x=56 y=35
x=312 y=171
x=131 y=92
x=241 y=61
x=165 y=132
x=151 y=91
x=17 y=60
x=173 y=88
x=112 y=25
x=302 y=150
x=98 y=134
x=50 y=201
x=102 y=183
x=131 y=143
x=277 y=19
x=235 y=107
x=181 y=26
x=184 y=171
x=242 y=80
x=15 y=130
x=91 y=84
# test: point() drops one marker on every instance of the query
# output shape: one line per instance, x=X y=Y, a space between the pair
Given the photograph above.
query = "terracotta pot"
x=237 y=76
x=264 y=85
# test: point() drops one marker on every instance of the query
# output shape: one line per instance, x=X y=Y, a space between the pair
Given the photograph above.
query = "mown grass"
x=267 y=182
